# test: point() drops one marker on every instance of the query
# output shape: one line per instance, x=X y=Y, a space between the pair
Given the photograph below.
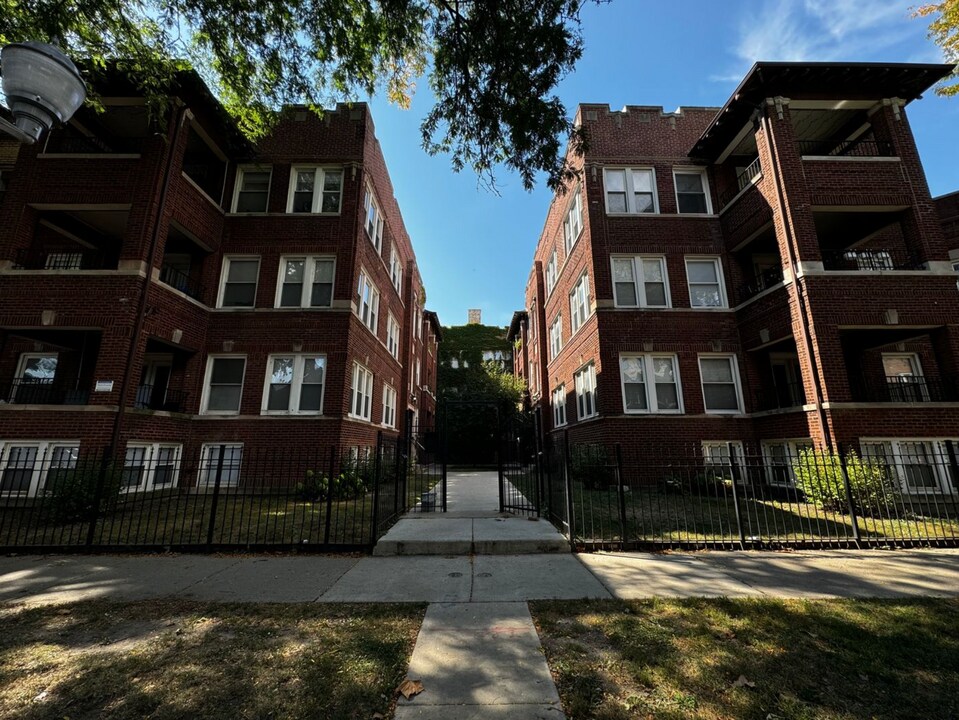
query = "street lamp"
x=42 y=87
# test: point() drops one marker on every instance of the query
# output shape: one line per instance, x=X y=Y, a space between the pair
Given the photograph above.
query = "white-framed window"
x=551 y=273
x=294 y=384
x=559 y=406
x=223 y=458
x=573 y=222
x=396 y=270
x=585 y=385
x=315 y=190
x=904 y=378
x=149 y=466
x=692 y=191
x=533 y=377
x=36 y=373
x=223 y=385
x=361 y=393
x=705 y=278
x=650 y=383
x=373 y=222
x=389 y=406
x=920 y=465
x=630 y=191
x=28 y=467
x=780 y=458
x=717 y=458
x=640 y=281
x=251 y=193
x=417 y=317
x=392 y=336
x=416 y=374
x=720 y=381
x=556 y=337
x=579 y=303
x=238 y=282
x=305 y=281
x=369 y=303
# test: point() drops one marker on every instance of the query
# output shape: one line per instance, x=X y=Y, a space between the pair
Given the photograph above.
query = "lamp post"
x=42 y=87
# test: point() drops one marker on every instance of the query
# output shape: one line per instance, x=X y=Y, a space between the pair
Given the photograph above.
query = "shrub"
x=313 y=488
x=819 y=477
x=590 y=464
x=73 y=492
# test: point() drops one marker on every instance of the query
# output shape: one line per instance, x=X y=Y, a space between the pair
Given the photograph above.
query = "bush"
x=355 y=479
x=590 y=464
x=819 y=477
x=73 y=492
x=313 y=488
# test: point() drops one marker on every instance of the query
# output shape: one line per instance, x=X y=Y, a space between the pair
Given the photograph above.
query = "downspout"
x=145 y=291
x=799 y=283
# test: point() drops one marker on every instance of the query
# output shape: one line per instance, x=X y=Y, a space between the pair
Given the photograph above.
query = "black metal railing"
x=743 y=179
x=762 y=281
x=181 y=281
x=907 y=389
x=44 y=391
x=64 y=260
x=870 y=259
x=66 y=144
x=156 y=397
x=736 y=495
x=781 y=397
x=846 y=148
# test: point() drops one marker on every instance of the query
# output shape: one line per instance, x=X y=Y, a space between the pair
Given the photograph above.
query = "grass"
x=203 y=660
x=745 y=659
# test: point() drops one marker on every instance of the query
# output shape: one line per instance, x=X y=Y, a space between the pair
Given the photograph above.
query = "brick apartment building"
x=773 y=273
x=169 y=290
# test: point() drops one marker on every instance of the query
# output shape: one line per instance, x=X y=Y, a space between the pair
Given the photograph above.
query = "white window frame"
x=241 y=171
x=371 y=204
x=649 y=381
x=573 y=221
x=630 y=190
x=551 y=273
x=579 y=299
x=558 y=401
x=639 y=280
x=718 y=264
x=936 y=447
x=389 y=406
x=709 y=461
x=584 y=382
x=296 y=386
x=208 y=374
x=392 y=335
x=209 y=457
x=362 y=383
x=225 y=273
x=319 y=181
x=556 y=336
x=737 y=381
x=151 y=463
x=368 y=311
x=916 y=391
x=41 y=464
x=691 y=170
x=309 y=277
x=396 y=270
x=792 y=448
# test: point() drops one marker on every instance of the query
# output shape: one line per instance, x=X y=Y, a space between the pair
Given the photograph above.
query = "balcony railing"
x=64 y=260
x=152 y=397
x=781 y=397
x=847 y=148
x=64 y=144
x=763 y=281
x=743 y=180
x=871 y=259
x=908 y=389
x=179 y=280
x=43 y=391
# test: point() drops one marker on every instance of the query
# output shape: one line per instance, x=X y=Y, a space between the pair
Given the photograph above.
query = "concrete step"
x=437 y=535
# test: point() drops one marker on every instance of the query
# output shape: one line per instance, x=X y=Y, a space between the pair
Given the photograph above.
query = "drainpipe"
x=799 y=284
x=178 y=119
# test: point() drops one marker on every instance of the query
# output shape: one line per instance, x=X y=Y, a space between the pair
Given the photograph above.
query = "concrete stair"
x=440 y=535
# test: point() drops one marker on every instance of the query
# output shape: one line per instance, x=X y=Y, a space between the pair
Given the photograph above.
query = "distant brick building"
x=773 y=273
x=170 y=290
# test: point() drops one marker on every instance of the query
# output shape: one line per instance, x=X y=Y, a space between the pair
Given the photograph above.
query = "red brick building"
x=772 y=273
x=169 y=289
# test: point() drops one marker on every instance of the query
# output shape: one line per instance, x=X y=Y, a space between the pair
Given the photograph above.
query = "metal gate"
x=520 y=464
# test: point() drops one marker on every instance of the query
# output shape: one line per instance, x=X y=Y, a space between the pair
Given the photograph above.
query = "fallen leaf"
x=408 y=688
x=741 y=681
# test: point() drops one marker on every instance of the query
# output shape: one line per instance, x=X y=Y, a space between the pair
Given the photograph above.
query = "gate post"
x=734 y=467
x=568 y=483
x=216 y=498
x=376 y=487
x=621 y=494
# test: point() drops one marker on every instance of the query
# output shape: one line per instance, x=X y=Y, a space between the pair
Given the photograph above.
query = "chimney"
x=475 y=317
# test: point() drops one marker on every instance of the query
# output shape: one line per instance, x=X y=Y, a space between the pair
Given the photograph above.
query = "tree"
x=944 y=30
x=493 y=65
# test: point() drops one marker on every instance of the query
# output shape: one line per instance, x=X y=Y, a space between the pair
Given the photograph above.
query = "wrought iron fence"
x=907 y=389
x=64 y=260
x=727 y=495
x=159 y=397
x=45 y=391
x=870 y=259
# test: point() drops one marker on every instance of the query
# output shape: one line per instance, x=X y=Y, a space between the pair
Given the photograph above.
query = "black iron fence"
x=907 y=389
x=181 y=281
x=727 y=495
x=45 y=391
x=153 y=497
x=159 y=397
x=79 y=259
x=870 y=259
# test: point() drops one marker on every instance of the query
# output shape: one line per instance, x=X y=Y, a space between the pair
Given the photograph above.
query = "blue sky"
x=475 y=248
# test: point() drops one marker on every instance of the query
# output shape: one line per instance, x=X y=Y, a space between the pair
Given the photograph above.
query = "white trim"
x=208 y=374
x=586 y=372
x=370 y=203
x=629 y=189
x=319 y=180
x=718 y=264
x=151 y=462
x=734 y=367
x=935 y=446
x=692 y=170
x=363 y=374
x=573 y=325
x=238 y=185
x=387 y=391
x=208 y=464
x=793 y=448
x=649 y=383
x=296 y=384
x=556 y=336
x=559 y=407
x=639 y=280
x=41 y=462
x=224 y=274
x=309 y=279
x=393 y=332
x=574 y=209
x=372 y=319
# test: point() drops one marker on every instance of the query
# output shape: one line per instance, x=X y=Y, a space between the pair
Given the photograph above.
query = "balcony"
x=829 y=148
x=43 y=391
x=907 y=389
x=744 y=179
x=179 y=280
x=762 y=281
x=64 y=260
x=159 y=397
x=781 y=397
x=872 y=259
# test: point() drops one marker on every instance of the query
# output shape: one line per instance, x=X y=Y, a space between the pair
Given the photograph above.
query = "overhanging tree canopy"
x=493 y=65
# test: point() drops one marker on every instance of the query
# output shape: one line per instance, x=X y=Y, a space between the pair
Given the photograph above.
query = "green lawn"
x=203 y=660
x=753 y=659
